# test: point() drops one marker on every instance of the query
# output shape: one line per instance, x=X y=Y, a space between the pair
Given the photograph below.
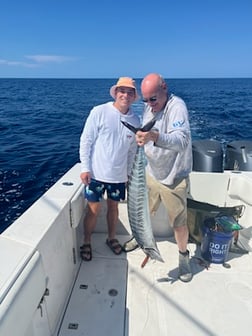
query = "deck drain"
x=113 y=292
x=83 y=286
x=73 y=326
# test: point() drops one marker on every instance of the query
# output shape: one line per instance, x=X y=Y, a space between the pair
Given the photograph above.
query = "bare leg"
x=90 y=219
x=181 y=236
x=112 y=220
x=112 y=217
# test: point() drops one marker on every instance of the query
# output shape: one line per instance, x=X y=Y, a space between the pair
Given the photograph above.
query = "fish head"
x=153 y=253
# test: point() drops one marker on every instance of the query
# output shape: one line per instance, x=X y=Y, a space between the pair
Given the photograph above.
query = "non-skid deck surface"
x=218 y=301
x=97 y=304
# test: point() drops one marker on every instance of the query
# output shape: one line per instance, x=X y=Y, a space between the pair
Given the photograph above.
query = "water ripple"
x=41 y=121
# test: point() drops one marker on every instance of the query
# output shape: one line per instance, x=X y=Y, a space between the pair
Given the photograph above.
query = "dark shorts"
x=96 y=189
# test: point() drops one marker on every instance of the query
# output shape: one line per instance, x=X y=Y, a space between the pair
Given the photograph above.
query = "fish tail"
x=148 y=126
x=129 y=126
x=145 y=128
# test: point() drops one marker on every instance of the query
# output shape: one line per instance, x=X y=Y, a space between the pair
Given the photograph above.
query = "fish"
x=137 y=202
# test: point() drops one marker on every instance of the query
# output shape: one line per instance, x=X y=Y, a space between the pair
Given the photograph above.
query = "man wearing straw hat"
x=107 y=151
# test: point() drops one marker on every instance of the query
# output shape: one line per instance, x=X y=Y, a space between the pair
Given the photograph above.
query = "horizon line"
x=231 y=77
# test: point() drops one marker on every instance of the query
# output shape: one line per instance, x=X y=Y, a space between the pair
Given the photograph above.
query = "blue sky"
x=113 y=38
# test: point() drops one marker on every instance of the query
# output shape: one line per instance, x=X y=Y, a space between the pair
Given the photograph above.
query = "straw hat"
x=126 y=82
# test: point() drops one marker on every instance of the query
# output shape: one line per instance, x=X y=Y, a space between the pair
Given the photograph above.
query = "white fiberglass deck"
x=113 y=295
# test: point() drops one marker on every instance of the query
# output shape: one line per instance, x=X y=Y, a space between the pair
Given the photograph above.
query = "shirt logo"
x=178 y=123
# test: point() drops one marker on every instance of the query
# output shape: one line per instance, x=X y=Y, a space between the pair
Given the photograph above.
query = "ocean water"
x=41 y=121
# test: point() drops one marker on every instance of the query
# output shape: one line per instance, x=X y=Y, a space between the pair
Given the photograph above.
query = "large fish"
x=137 y=202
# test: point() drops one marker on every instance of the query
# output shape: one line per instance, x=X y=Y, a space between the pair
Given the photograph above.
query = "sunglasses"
x=151 y=99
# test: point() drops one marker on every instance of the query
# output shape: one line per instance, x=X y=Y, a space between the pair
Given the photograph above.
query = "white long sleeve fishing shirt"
x=107 y=147
x=170 y=157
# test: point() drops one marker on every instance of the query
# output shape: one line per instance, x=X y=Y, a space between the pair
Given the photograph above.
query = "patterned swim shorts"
x=96 y=189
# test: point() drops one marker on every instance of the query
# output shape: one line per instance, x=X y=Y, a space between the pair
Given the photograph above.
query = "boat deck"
x=114 y=296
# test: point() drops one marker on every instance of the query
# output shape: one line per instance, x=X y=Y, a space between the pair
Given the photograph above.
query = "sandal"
x=130 y=245
x=86 y=252
x=114 y=245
